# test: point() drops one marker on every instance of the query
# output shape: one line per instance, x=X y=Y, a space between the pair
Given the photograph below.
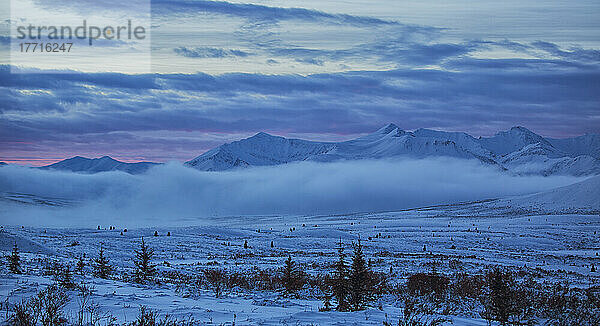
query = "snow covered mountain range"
x=517 y=150
x=102 y=164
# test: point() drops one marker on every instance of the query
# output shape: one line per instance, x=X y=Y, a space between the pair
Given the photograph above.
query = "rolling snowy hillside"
x=518 y=150
x=580 y=196
x=95 y=165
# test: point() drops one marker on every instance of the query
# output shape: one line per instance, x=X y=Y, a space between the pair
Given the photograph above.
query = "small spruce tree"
x=64 y=277
x=14 y=261
x=80 y=265
x=359 y=280
x=145 y=269
x=291 y=278
x=102 y=268
x=499 y=303
x=339 y=280
x=326 y=302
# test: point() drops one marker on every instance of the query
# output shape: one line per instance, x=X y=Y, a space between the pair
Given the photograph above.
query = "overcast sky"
x=323 y=70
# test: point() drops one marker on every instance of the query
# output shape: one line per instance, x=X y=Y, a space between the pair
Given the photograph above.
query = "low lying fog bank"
x=172 y=193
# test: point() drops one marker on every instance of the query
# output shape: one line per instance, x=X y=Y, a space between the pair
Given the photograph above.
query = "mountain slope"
x=516 y=138
x=542 y=158
x=391 y=141
x=95 y=165
x=582 y=145
x=584 y=195
x=258 y=150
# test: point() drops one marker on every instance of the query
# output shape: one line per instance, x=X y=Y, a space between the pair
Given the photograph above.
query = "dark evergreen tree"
x=499 y=301
x=145 y=269
x=292 y=277
x=14 y=261
x=327 y=306
x=359 y=281
x=80 y=265
x=64 y=277
x=102 y=268
x=339 y=280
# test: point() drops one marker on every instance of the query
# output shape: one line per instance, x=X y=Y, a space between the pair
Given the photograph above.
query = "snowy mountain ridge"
x=518 y=150
x=95 y=165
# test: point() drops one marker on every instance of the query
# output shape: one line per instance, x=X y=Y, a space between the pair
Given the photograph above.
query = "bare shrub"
x=23 y=315
x=563 y=306
x=264 y=279
x=467 y=286
x=147 y=317
x=419 y=313
x=424 y=284
x=45 y=307
x=217 y=280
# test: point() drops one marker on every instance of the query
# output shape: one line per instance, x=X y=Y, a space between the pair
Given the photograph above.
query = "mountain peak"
x=388 y=128
x=262 y=134
x=521 y=129
x=82 y=158
x=512 y=140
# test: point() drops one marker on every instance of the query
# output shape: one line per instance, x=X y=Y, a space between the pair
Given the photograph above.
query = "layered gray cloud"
x=208 y=52
x=357 y=72
x=482 y=97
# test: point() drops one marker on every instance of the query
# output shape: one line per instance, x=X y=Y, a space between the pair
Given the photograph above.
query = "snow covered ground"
x=463 y=237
